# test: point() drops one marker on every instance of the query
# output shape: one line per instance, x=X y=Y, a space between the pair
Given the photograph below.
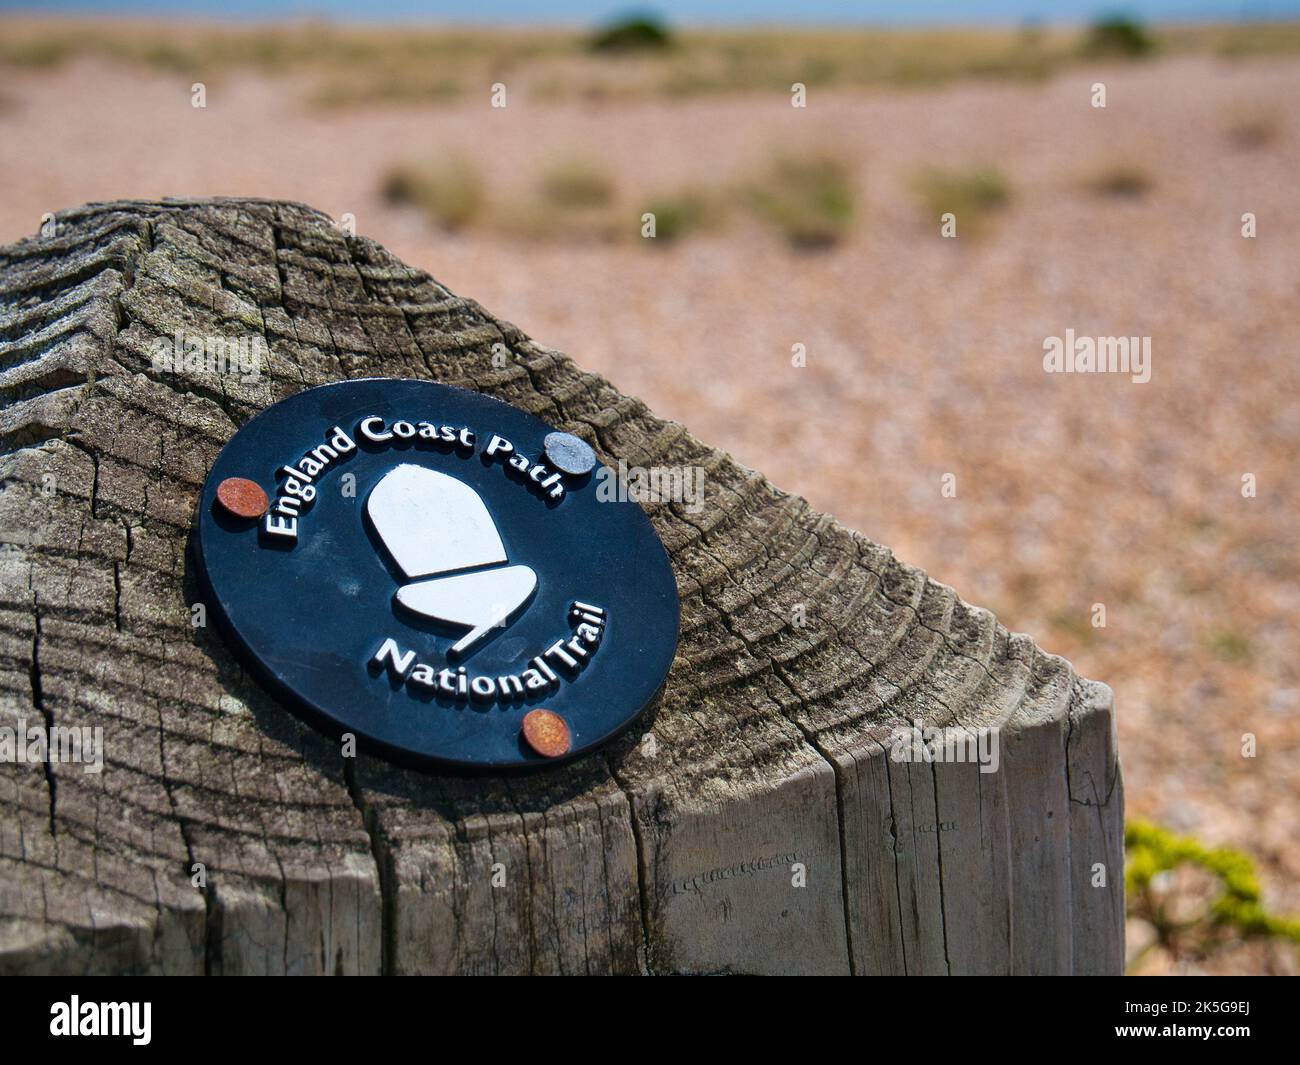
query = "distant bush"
x=641 y=33
x=809 y=199
x=1118 y=37
x=1226 y=904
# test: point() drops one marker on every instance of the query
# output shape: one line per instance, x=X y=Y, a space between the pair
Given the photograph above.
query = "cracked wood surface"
x=671 y=851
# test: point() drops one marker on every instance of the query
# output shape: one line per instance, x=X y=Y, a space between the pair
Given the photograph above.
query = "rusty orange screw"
x=547 y=733
x=242 y=498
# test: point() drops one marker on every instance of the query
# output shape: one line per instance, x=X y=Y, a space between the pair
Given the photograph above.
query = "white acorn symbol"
x=441 y=536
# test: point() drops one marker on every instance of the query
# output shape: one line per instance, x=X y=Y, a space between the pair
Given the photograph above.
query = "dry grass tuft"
x=577 y=184
x=1121 y=180
x=452 y=194
x=807 y=198
x=1251 y=127
x=972 y=195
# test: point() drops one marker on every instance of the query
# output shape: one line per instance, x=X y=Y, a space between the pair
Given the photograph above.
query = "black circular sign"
x=404 y=560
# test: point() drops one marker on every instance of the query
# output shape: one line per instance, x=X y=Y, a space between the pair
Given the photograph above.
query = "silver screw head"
x=569 y=454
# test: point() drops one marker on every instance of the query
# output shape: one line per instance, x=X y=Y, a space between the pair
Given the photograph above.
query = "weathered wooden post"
x=760 y=818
